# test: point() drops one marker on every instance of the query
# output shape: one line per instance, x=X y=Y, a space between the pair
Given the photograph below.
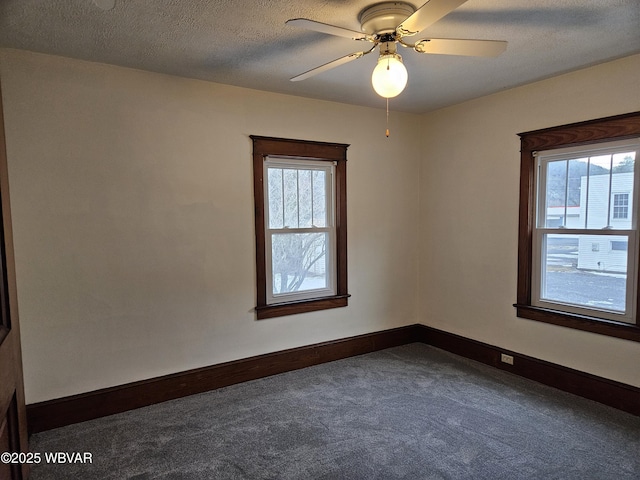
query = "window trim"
x=264 y=147
x=619 y=127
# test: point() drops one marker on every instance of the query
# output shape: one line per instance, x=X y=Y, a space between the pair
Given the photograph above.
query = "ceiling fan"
x=387 y=24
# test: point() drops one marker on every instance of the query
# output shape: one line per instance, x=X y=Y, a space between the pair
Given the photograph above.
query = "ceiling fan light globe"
x=390 y=76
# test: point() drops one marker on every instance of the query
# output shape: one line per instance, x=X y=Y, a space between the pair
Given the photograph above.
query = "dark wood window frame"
x=310 y=150
x=601 y=130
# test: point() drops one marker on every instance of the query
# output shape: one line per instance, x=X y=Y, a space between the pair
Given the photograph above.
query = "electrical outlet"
x=504 y=358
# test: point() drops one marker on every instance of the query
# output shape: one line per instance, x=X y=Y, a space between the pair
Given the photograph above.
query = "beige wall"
x=469 y=215
x=133 y=220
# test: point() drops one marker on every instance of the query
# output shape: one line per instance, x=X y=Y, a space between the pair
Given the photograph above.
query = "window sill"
x=301 y=306
x=611 y=328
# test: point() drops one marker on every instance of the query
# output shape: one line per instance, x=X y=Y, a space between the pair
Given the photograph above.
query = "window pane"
x=297 y=198
x=622 y=190
x=319 y=198
x=299 y=261
x=563 y=193
x=597 y=192
x=276 y=219
x=305 y=200
x=290 y=194
x=589 y=192
x=585 y=270
x=555 y=194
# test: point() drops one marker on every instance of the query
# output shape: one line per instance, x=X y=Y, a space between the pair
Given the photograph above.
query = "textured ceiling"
x=246 y=43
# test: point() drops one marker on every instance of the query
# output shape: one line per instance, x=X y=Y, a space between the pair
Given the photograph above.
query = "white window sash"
x=539 y=274
x=540 y=231
x=330 y=253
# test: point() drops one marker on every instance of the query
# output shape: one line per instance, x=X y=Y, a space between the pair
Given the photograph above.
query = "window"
x=299 y=229
x=619 y=245
x=578 y=242
x=570 y=270
x=300 y=204
x=621 y=205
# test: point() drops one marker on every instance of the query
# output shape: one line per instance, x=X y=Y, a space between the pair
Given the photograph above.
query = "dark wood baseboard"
x=608 y=392
x=87 y=406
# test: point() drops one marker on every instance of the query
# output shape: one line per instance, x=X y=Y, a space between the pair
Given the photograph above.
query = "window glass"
x=574 y=274
x=299 y=262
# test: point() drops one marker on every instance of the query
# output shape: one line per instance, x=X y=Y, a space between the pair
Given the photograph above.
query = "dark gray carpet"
x=412 y=412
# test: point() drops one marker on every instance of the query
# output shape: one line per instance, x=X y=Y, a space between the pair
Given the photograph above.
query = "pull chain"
x=387 y=118
x=388 y=68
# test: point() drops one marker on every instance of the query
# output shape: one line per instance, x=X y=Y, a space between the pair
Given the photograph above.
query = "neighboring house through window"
x=578 y=241
x=300 y=197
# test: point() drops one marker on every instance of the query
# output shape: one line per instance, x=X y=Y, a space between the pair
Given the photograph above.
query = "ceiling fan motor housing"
x=384 y=17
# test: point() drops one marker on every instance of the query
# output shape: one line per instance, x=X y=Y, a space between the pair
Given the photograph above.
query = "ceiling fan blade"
x=452 y=46
x=426 y=15
x=328 y=29
x=328 y=66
